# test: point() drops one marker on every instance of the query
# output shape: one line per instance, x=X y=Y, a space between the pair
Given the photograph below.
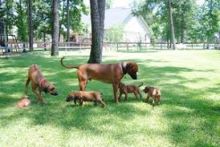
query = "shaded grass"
x=189 y=114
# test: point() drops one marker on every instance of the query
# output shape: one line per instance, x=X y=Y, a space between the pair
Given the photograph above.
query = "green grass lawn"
x=189 y=114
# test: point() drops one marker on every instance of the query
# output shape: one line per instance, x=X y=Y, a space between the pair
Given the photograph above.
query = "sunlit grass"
x=189 y=114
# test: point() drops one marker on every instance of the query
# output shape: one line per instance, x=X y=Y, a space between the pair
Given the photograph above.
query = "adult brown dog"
x=153 y=92
x=125 y=89
x=39 y=83
x=82 y=96
x=108 y=73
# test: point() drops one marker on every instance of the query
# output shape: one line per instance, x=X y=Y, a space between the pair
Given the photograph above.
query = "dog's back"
x=34 y=72
x=128 y=88
x=90 y=95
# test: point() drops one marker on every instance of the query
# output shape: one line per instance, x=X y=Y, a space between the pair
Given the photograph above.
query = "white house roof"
x=114 y=16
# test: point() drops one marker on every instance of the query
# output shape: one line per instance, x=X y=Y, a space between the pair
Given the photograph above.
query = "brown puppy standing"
x=108 y=73
x=125 y=89
x=38 y=83
x=154 y=93
x=81 y=96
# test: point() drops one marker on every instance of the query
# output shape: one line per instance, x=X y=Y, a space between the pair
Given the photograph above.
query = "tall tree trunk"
x=97 y=21
x=182 y=28
x=55 y=29
x=68 y=21
x=101 y=7
x=168 y=37
x=171 y=25
x=30 y=25
x=44 y=36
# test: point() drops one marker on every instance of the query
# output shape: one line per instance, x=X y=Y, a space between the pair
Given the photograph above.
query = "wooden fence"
x=114 y=46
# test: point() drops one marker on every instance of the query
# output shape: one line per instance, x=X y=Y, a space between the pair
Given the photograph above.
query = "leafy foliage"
x=115 y=33
x=192 y=22
x=21 y=20
x=42 y=23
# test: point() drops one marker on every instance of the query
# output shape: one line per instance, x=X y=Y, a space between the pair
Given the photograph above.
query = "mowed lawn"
x=189 y=114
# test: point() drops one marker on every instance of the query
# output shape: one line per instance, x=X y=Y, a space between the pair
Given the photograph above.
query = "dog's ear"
x=146 y=89
x=132 y=69
x=70 y=98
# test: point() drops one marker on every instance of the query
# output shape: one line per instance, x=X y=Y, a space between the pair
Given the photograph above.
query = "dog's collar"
x=123 y=67
x=42 y=82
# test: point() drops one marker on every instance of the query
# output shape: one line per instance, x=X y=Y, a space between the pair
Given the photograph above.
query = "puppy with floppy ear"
x=81 y=96
x=107 y=73
x=154 y=93
x=125 y=89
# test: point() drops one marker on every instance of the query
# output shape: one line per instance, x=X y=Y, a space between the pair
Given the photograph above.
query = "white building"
x=134 y=27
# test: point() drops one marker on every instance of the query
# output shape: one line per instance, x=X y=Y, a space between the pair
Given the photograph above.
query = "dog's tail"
x=141 y=84
x=67 y=66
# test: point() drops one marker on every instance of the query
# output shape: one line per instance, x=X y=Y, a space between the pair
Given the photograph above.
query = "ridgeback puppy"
x=89 y=96
x=107 y=73
x=154 y=93
x=125 y=89
x=39 y=83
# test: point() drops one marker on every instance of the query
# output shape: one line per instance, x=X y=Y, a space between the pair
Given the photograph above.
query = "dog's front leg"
x=37 y=92
x=26 y=86
x=140 y=94
x=82 y=85
x=75 y=100
x=41 y=98
x=119 y=98
x=38 y=95
x=80 y=102
x=147 y=99
x=126 y=95
x=115 y=90
x=102 y=103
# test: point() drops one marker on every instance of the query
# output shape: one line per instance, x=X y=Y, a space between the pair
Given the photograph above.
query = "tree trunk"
x=101 y=7
x=171 y=25
x=44 y=36
x=30 y=25
x=97 y=21
x=68 y=21
x=182 y=29
x=55 y=28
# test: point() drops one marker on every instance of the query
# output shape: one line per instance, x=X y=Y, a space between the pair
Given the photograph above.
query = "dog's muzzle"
x=54 y=93
x=134 y=76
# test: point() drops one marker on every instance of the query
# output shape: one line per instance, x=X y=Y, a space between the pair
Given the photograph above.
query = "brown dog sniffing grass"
x=107 y=73
x=125 y=89
x=39 y=83
x=89 y=96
